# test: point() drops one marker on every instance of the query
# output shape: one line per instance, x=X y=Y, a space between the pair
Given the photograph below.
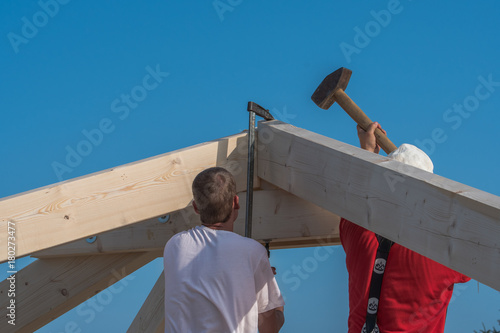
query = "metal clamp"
x=253 y=109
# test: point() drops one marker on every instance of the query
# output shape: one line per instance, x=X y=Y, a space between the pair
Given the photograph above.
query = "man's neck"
x=228 y=226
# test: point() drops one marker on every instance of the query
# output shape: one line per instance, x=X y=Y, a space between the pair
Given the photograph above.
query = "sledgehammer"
x=331 y=90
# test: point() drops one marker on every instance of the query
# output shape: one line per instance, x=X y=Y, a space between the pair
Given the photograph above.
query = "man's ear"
x=236 y=202
x=196 y=208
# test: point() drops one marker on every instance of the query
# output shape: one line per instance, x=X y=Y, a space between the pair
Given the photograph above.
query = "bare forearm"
x=280 y=318
x=271 y=321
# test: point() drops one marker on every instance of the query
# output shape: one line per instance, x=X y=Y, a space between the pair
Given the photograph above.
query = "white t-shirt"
x=216 y=281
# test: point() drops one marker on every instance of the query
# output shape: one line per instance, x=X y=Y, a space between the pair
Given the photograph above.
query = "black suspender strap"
x=384 y=246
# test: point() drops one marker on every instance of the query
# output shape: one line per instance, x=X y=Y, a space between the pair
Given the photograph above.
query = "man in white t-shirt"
x=217 y=280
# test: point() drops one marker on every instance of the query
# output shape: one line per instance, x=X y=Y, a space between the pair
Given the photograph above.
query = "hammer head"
x=323 y=96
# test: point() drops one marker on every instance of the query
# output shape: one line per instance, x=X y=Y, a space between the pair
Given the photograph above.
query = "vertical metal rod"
x=250 y=167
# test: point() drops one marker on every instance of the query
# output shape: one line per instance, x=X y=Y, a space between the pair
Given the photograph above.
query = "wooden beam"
x=449 y=222
x=48 y=288
x=151 y=316
x=93 y=204
x=278 y=215
x=278 y=244
x=285 y=219
x=149 y=235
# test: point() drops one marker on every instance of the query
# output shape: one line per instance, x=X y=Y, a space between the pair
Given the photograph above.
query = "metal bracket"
x=91 y=240
x=164 y=218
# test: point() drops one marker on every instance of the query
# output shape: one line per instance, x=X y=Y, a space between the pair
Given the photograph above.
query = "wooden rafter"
x=114 y=198
x=151 y=316
x=449 y=222
x=289 y=221
x=149 y=235
x=286 y=219
x=48 y=288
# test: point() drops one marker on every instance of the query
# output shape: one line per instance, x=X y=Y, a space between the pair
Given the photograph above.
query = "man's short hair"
x=213 y=192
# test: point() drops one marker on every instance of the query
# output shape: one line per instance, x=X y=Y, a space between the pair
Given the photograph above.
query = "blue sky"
x=427 y=71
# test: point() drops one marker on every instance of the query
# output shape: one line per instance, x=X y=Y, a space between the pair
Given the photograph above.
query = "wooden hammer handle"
x=362 y=120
